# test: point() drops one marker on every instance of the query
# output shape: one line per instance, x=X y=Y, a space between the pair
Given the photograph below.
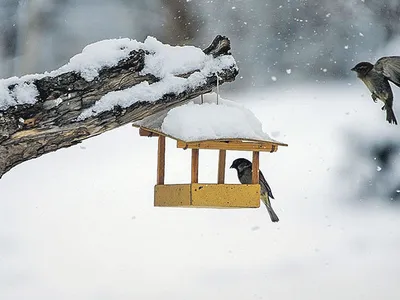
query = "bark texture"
x=29 y=131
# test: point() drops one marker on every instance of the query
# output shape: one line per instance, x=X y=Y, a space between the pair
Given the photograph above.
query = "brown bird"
x=376 y=78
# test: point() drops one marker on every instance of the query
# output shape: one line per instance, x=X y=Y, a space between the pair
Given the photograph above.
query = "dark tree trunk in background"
x=36 y=20
x=8 y=35
x=183 y=24
x=28 y=131
x=386 y=12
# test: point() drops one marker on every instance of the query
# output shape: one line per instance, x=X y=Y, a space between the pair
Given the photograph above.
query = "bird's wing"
x=265 y=184
x=389 y=66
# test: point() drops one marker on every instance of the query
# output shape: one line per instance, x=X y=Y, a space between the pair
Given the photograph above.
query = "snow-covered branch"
x=109 y=84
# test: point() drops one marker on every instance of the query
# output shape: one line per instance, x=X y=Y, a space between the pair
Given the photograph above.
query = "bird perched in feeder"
x=376 y=78
x=244 y=171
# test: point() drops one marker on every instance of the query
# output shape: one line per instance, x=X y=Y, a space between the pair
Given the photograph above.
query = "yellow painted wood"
x=229 y=145
x=225 y=195
x=172 y=195
x=208 y=195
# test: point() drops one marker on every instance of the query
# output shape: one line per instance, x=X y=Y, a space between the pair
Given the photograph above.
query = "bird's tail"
x=272 y=214
x=390 y=117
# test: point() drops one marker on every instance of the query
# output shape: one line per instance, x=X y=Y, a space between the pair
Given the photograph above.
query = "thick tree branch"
x=30 y=130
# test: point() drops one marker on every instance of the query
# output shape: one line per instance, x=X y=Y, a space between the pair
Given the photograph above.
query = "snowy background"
x=79 y=223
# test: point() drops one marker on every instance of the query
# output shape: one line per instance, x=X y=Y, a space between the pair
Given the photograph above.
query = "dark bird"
x=243 y=168
x=376 y=78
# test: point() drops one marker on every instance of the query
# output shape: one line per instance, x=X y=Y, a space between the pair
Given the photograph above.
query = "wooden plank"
x=225 y=195
x=145 y=132
x=172 y=195
x=237 y=140
x=256 y=165
x=195 y=165
x=199 y=195
x=157 y=132
x=161 y=160
x=221 y=166
x=229 y=145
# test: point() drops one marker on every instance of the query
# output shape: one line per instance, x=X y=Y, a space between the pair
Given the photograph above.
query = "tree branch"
x=53 y=121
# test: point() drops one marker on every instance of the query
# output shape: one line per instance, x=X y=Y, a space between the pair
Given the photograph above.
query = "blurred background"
x=301 y=38
x=87 y=228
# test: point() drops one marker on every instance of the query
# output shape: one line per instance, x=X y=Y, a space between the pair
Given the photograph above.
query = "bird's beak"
x=231 y=167
x=353 y=69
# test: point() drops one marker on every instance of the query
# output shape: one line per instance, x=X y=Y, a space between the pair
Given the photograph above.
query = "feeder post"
x=161 y=160
x=256 y=166
x=195 y=165
x=221 y=166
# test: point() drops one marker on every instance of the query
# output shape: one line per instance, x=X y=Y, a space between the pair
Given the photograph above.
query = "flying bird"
x=376 y=78
x=243 y=168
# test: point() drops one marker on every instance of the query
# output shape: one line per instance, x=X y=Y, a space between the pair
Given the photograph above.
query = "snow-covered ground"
x=80 y=224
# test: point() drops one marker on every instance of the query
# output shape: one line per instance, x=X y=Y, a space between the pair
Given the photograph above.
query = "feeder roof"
x=207 y=121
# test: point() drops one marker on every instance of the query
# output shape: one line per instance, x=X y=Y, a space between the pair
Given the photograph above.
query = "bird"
x=376 y=78
x=244 y=172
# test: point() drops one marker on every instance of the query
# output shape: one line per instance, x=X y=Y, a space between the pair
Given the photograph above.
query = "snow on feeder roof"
x=196 y=122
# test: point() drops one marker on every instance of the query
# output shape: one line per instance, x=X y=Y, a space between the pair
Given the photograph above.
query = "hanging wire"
x=217 y=87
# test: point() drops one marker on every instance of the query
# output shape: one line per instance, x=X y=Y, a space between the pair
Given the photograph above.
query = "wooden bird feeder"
x=206 y=195
x=219 y=195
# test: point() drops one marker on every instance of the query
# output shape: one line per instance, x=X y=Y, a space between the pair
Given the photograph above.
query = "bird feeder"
x=206 y=195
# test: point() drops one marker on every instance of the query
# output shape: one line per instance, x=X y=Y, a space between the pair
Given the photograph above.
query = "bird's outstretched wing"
x=389 y=66
x=264 y=183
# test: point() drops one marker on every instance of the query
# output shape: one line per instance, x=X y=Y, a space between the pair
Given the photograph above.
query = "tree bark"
x=29 y=131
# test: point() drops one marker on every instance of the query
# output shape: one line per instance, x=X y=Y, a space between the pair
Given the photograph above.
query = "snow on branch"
x=111 y=83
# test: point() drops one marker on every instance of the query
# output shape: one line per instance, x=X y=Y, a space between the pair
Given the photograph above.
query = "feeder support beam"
x=161 y=160
x=256 y=166
x=221 y=166
x=195 y=165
